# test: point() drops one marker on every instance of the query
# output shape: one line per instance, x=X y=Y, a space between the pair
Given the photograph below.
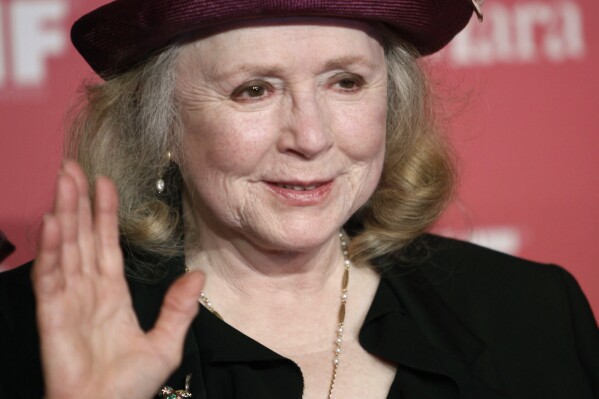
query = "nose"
x=306 y=128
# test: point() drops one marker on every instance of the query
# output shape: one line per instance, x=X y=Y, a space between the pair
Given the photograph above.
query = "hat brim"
x=118 y=35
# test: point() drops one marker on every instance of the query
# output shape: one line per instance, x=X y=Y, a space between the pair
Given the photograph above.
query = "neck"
x=239 y=268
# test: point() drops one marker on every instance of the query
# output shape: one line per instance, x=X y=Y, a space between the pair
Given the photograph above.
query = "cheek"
x=363 y=140
x=363 y=132
x=226 y=142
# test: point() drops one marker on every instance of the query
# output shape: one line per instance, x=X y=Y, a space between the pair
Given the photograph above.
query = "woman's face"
x=284 y=132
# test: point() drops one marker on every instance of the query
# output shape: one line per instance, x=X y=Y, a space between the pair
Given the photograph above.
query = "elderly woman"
x=278 y=162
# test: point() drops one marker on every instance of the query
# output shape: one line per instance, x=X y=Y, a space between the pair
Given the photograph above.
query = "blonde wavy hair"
x=124 y=127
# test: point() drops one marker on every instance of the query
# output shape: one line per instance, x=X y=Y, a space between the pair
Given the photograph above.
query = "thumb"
x=179 y=307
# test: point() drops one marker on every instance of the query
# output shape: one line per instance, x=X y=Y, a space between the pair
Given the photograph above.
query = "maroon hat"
x=122 y=33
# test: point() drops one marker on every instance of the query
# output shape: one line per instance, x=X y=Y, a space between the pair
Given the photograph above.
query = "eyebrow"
x=274 y=70
x=341 y=62
x=258 y=69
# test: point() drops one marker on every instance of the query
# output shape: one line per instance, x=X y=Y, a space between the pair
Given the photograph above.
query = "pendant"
x=169 y=393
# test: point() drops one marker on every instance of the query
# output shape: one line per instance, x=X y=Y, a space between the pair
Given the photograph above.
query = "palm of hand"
x=91 y=343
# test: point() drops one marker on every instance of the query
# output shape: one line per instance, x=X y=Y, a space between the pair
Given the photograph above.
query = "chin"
x=297 y=236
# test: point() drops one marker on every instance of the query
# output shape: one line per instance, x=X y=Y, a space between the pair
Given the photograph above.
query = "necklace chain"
x=341 y=317
x=203 y=299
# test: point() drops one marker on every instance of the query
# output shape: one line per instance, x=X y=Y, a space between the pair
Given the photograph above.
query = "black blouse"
x=464 y=322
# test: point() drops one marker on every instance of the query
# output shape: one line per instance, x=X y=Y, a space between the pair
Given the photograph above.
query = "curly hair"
x=124 y=127
x=418 y=175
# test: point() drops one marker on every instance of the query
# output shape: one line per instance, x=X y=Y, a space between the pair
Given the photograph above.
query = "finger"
x=65 y=211
x=179 y=308
x=46 y=276
x=106 y=226
x=84 y=216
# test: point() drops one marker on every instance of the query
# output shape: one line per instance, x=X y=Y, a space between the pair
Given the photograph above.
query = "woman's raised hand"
x=91 y=343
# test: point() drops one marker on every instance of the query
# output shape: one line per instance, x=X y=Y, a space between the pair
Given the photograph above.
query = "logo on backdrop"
x=507 y=239
x=523 y=32
x=31 y=33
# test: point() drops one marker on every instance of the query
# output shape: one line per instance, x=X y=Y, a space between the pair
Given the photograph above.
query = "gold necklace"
x=340 y=319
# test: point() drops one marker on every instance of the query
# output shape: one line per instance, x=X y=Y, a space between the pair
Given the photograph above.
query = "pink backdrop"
x=519 y=99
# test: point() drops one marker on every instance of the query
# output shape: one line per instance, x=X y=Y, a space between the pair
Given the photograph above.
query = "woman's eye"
x=348 y=84
x=249 y=92
x=255 y=91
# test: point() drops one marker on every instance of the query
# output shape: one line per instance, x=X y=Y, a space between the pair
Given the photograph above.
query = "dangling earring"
x=160 y=182
x=160 y=185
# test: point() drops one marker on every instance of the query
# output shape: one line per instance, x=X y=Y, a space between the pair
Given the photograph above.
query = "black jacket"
x=463 y=322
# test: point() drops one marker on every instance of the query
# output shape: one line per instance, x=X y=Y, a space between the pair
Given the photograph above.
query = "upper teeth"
x=298 y=188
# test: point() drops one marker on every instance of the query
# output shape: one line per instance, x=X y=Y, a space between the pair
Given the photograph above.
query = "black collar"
x=410 y=325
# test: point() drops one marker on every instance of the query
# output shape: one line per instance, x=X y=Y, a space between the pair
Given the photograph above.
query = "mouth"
x=297 y=187
x=302 y=193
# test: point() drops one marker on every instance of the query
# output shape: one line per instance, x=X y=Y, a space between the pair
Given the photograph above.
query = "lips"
x=301 y=193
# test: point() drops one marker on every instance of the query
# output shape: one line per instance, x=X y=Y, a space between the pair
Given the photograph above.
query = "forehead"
x=287 y=40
